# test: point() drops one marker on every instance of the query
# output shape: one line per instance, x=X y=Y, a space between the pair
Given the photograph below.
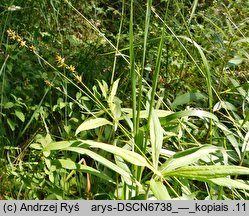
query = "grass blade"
x=127 y=155
x=187 y=157
x=197 y=113
x=212 y=171
x=91 y=124
x=227 y=182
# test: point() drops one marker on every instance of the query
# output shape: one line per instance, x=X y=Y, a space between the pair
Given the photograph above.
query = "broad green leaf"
x=103 y=161
x=20 y=115
x=197 y=113
x=212 y=171
x=91 y=124
x=227 y=182
x=187 y=157
x=187 y=98
x=127 y=155
x=71 y=165
x=159 y=190
x=156 y=138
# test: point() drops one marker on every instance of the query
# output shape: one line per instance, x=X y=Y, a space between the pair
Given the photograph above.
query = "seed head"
x=12 y=34
x=71 y=68
x=60 y=61
x=22 y=43
x=32 y=48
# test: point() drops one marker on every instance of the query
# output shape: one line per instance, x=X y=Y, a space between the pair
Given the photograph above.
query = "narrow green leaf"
x=145 y=114
x=193 y=11
x=91 y=124
x=198 y=113
x=187 y=157
x=159 y=190
x=227 y=182
x=213 y=171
